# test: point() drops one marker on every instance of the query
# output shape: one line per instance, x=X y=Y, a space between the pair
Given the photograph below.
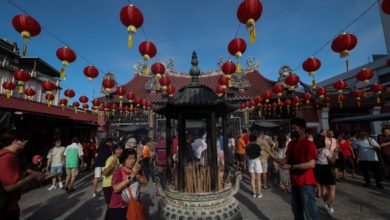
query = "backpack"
x=4 y=195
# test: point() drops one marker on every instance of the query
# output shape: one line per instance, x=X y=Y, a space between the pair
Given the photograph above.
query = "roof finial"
x=194 y=72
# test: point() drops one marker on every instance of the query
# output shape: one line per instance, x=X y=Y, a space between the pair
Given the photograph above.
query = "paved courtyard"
x=352 y=202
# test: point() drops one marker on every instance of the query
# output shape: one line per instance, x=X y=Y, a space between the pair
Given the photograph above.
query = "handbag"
x=135 y=210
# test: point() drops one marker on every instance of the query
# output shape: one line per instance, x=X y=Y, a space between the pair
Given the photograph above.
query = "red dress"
x=345 y=148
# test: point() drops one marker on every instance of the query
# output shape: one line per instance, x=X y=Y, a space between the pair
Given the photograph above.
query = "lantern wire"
x=343 y=30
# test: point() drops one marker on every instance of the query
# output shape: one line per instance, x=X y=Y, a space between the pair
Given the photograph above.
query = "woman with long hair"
x=126 y=182
x=323 y=172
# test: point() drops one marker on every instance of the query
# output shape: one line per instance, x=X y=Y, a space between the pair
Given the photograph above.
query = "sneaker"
x=328 y=209
x=254 y=195
x=259 y=195
x=60 y=185
x=94 y=195
x=52 y=187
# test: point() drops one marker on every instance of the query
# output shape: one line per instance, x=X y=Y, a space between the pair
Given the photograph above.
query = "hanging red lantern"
x=21 y=76
x=63 y=103
x=317 y=104
x=75 y=106
x=83 y=99
x=120 y=91
x=85 y=107
x=278 y=89
x=158 y=69
x=27 y=26
x=287 y=103
x=164 y=82
x=148 y=50
x=133 y=19
x=365 y=75
x=311 y=65
x=95 y=109
x=339 y=85
x=321 y=93
x=341 y=99
x=358 y=94
x=291 y=81
x=137 y=101
x=67 y=56
x=8 y=86
x=29 y=92
x=344 y=43
x=91 y=72
x=69 y=93
x=327 y=101
x=386 y=6
x=377 y=88
x=171 y=90
x=223 y=81
x=95 y=102
x=297 y=102
x=108 y=84
x=114 y=108
x=228 y=68
x=236 y=48
x=259 y=99
x=49 y=98
x=248 y=13
x=48 y=86
x=267 y=96
x=130 y=96
x=307 y=97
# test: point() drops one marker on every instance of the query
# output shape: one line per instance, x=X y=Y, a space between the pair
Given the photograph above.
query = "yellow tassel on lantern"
x=62 y=73
x=158 y=86
x=146 y=69
x=48 y=104
x=313 y=84
x=131 y=29
x=238 y=67
x=130 y=41
x=8 y=93
x=344 y=53
x=250 y=25
x=20 y=89
x=378 y=99
x=120 y=101
x=24 y=49
x=341 y=105
x=75 y=110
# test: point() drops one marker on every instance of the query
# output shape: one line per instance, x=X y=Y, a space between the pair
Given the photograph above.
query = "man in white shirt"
x=55 y=160
x=199 y=146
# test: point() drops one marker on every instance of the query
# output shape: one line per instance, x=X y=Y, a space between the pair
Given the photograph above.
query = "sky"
x=288 y=32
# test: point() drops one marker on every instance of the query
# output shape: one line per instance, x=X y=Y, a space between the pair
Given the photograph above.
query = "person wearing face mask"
x=300 y=159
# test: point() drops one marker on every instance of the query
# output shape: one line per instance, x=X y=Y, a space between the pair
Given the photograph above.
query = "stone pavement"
x=352 y=202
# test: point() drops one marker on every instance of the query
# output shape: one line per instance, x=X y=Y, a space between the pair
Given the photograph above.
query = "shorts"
x=324 y=174
x=57 y=170
x=98 y=172
x=72 y=171
x=264 y=164
x=254 y=166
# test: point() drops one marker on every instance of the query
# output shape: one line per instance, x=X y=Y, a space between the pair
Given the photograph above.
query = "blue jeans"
x=303 y=200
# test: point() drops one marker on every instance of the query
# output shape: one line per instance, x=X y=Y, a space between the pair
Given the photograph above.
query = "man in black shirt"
x=254 y=165
x=103 y=152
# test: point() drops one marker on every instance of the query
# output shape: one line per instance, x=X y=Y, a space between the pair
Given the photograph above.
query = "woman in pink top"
x=127 y=177
x=349 y=156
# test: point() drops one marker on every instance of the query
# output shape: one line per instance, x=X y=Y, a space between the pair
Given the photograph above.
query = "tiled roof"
x=258 y=84
x=42 y=109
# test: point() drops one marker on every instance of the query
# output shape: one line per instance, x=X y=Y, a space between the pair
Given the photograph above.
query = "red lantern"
x=236 y=48
x=317 y=104
x=69 y=93
x=29 y=92
x=67 y=56
x=85 y=107
x=108 y=84
x=133 y=19
x=327 y=101
x=220 y=90
x=287 y=103
x=259 y=99
x=344 y=43
x=83 y=99
x=341 y=99
x=137 y=101
x=171 y=90
x=95 y=102
x=22 y=77
x=158 y=69
x=339 y=85
x=164 y=81
x=297 y=102
x=307 y=97
x=311 y=65
x=8 y=86
x=278 y=90
x=130 y=96
x=27 y=26
x=248 y=13
x=63 y=103
x=75 y=106
x=322 y=92
x=365 y=75
x=377 y=88
x=292 y=80
x=386 y=6
x=91 y=72
x=267 y=96
x=120 y=91
x=48 y=86
x=114 y=108
x=228 y=68
x=358 y=94
x=223 y=81
x=148 y=50
x=49 y=98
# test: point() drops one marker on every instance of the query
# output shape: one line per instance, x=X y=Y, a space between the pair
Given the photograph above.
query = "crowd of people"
x=303 y=163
